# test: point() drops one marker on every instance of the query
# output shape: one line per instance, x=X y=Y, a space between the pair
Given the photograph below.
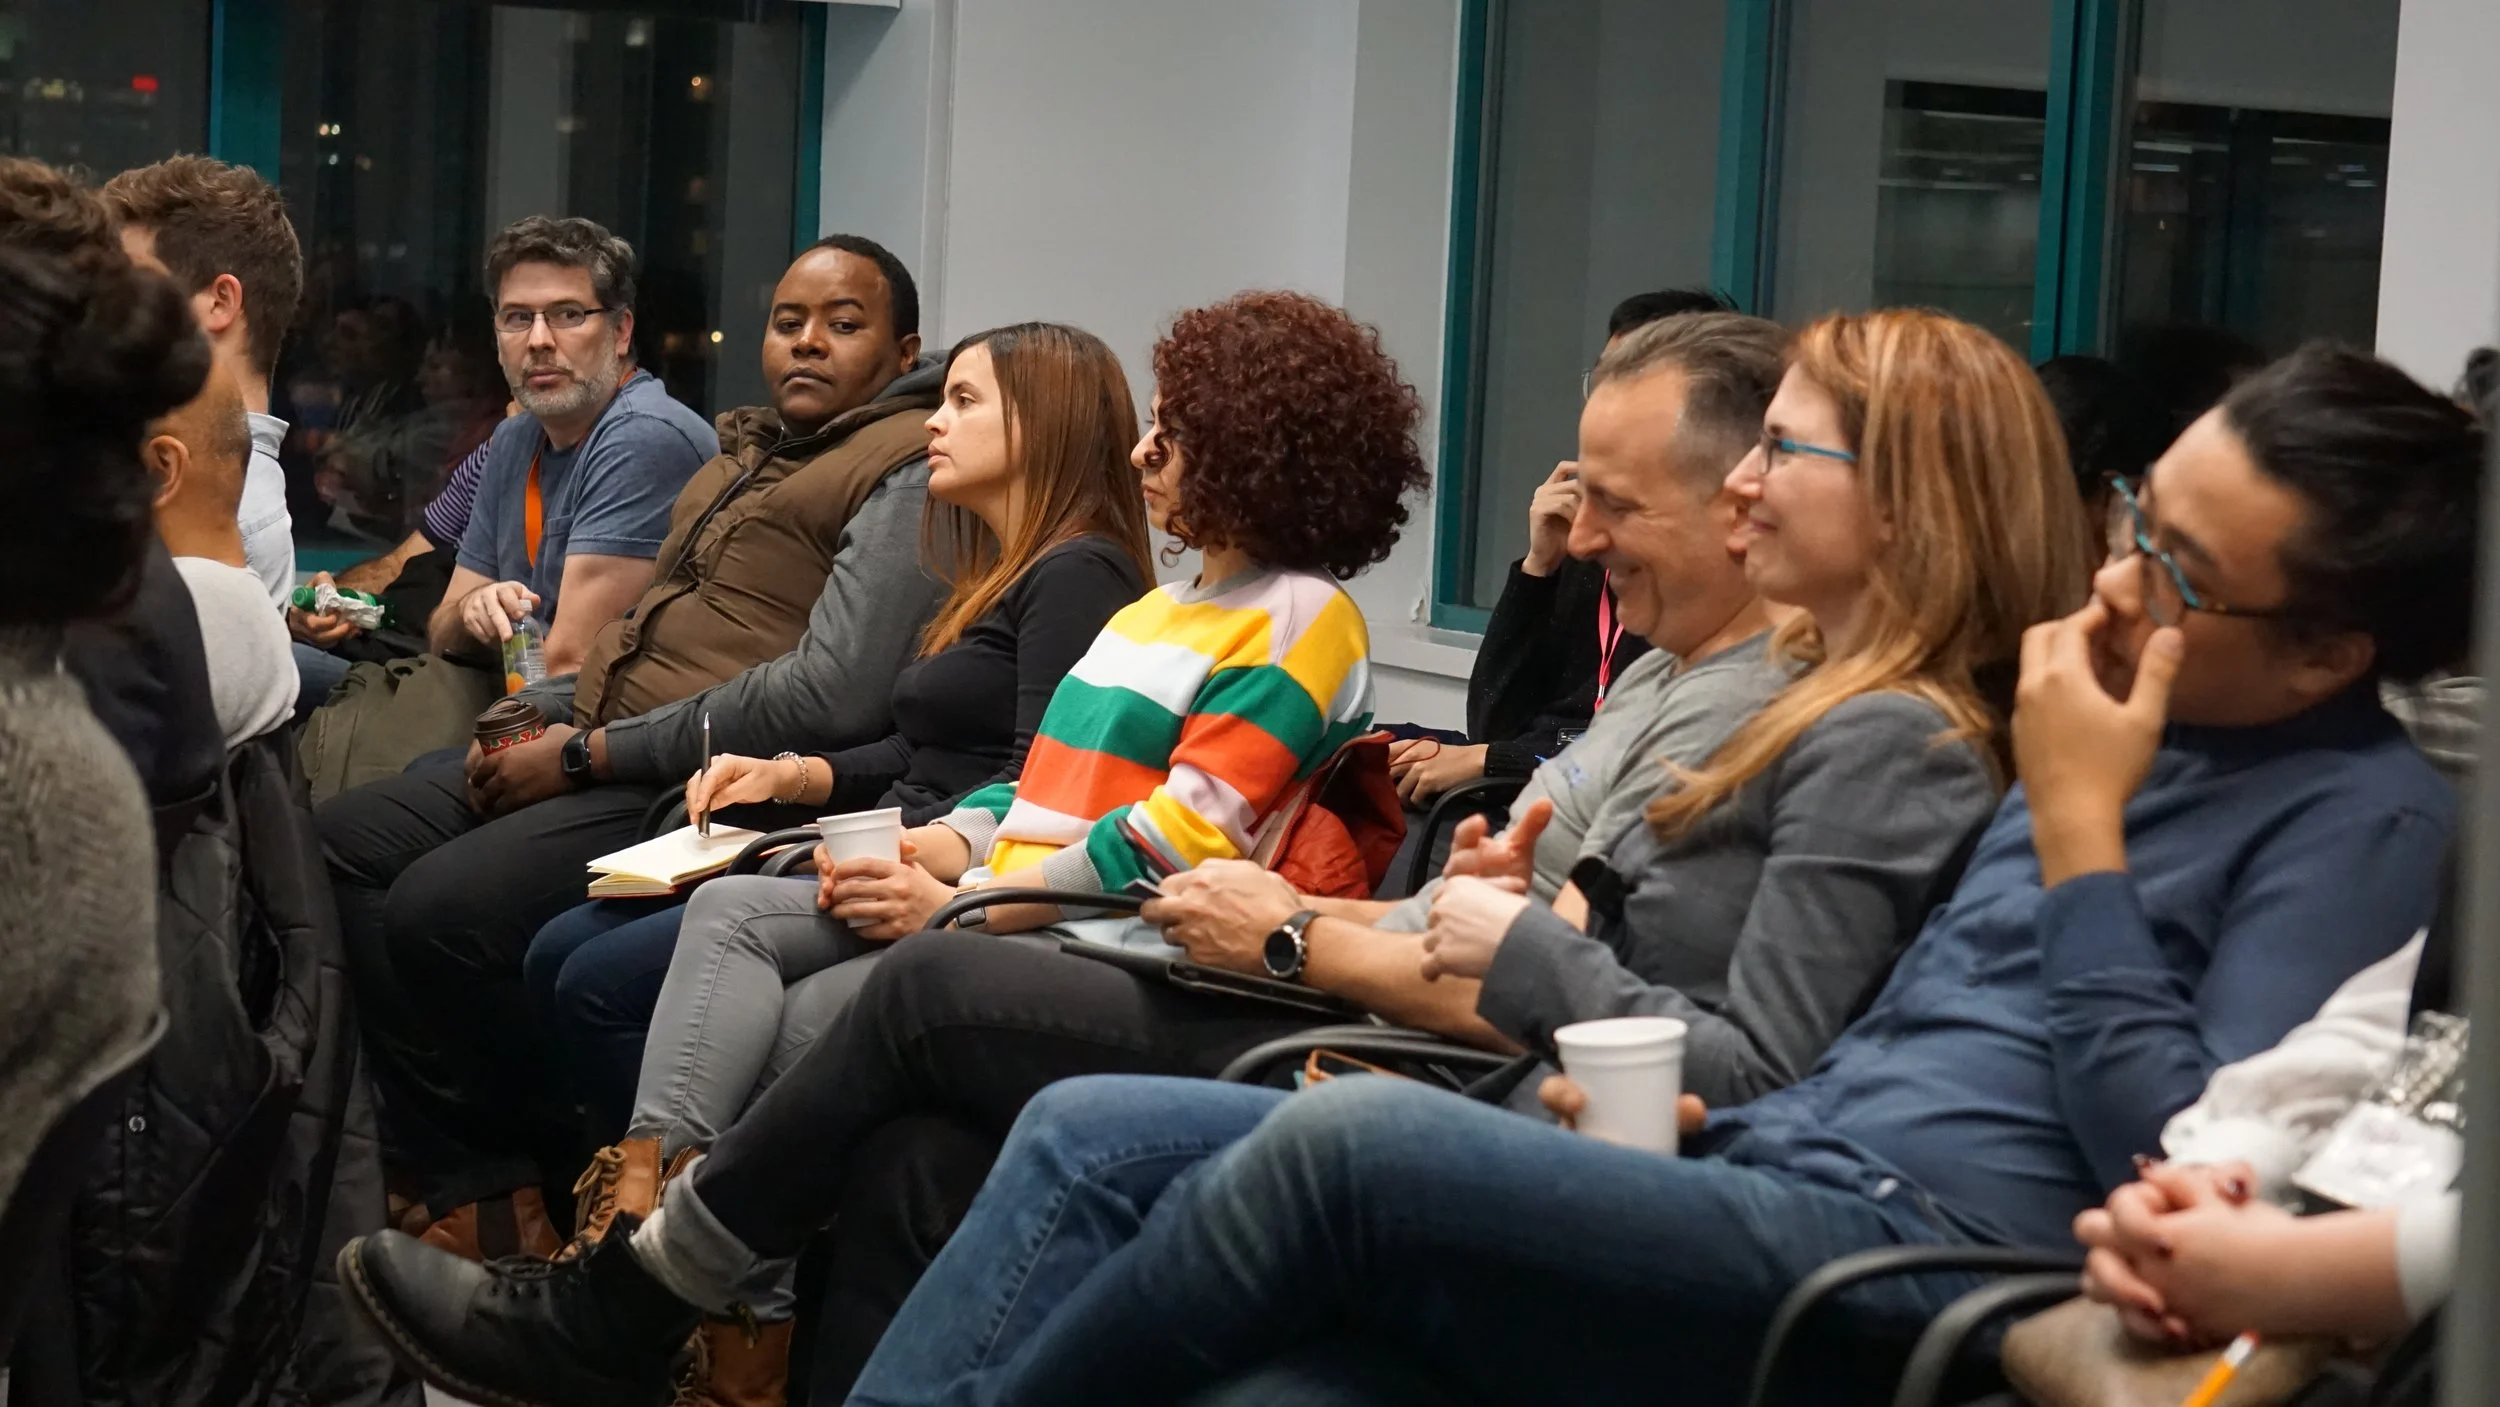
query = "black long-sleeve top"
x=1536 y=672
x=964 y=716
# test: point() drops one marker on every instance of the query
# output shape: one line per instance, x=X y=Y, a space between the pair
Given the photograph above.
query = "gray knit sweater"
x=77 y=910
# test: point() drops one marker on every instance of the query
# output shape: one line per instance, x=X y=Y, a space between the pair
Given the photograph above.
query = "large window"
x=2064 y=173
x=1911 y=158
x=1596 y=155
x=2256 y=175
x=103 y=84
x=409 y=133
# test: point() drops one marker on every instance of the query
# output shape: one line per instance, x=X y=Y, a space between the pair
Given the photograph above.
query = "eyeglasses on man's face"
x=2168 y=595
x=563 y=317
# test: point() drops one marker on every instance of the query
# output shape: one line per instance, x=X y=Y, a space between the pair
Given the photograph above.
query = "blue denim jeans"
x=1145 y=1239
x=594 y=973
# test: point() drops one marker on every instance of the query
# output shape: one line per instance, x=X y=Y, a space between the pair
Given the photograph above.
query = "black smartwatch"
x=1287 y=949
x=575 y=759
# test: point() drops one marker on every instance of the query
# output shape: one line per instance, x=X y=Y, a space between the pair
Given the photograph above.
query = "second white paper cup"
x=1632 y=1069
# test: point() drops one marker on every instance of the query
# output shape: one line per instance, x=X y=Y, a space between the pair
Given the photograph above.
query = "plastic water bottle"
x=525 y=655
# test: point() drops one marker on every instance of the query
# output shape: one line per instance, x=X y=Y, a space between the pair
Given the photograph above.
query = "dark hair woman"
x=91 y=351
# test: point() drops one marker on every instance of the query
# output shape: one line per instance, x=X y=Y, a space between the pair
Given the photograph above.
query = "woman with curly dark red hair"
x=1281 y=449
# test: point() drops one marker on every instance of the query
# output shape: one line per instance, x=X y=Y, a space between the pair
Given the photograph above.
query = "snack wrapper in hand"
x=2407 y=1139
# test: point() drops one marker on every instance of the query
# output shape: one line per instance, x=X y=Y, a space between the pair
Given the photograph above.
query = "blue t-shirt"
x=609 y=495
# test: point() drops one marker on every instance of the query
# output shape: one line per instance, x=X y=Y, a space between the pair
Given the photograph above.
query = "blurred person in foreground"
x=90 y=351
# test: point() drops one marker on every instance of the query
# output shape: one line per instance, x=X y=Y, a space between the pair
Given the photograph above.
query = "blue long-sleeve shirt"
x=2031 y=1042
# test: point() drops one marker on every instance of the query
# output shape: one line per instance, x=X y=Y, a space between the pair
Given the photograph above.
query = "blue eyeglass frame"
x=1796 y=447
x=2189 y=596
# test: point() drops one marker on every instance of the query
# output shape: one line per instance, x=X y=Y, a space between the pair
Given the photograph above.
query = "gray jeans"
x=759 y=973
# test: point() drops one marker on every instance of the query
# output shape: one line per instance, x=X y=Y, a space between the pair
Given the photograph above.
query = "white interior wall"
x=2439 y=283
x=1109 y=164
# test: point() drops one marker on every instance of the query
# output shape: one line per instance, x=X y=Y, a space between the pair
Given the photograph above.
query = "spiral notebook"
x=658 y=868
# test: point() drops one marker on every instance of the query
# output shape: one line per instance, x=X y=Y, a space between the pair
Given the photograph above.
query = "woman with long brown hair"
x=1035 y=522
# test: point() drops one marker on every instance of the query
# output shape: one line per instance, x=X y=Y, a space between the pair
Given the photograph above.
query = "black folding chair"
x=2035 y=1278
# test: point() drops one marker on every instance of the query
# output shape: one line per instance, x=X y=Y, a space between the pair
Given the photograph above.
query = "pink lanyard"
x=1609 y=635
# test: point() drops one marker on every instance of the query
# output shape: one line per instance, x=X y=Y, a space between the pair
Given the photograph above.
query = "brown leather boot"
x=513 y=1224
x=626 y=1177
x=736 y=1365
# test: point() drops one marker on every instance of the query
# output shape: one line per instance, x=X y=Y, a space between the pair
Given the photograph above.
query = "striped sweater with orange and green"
x=1186 y=723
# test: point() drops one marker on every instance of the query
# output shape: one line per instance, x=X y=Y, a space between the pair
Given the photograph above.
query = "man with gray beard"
x=575 y=498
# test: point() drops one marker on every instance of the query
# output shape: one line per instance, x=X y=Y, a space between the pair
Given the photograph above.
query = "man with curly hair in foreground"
x=1281 y=447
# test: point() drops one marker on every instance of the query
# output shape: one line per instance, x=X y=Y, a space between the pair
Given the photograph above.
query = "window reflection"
x=2268 y=223
x=412 y=132
x=2252 y=192
x=1910 y=159
x=1957 y=221
x=103 y=84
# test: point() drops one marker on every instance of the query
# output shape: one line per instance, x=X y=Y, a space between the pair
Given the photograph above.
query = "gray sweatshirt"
x=835 y=689
x=1766 y=923
x=1658 y=712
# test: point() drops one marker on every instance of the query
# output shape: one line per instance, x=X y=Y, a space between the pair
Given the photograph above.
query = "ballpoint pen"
x=703 y=827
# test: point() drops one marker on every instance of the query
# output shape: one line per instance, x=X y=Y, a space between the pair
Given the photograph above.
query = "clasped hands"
x=2185 y=1254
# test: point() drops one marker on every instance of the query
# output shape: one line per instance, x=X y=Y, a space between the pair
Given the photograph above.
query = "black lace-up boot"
x=596 y=1331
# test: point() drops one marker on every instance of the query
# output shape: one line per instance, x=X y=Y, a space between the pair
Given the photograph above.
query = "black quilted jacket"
x=202 y=1242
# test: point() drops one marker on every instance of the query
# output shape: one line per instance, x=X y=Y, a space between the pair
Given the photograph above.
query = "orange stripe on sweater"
x=1080 y=782
x=1246 y=756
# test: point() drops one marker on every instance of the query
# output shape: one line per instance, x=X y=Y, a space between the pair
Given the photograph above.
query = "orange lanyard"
x=533 y=515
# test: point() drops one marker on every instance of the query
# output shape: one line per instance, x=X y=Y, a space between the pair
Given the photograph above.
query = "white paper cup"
x=862 y=835
x=1632 y=1069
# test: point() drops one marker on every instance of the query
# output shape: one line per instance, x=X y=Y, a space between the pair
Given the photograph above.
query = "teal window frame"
x=2092 y=62
x=246 y=82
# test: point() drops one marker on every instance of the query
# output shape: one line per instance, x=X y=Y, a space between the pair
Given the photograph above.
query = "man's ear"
x=2325 y=668
x=168 y=460
x=625 y=333
x=911 y=352
x=220 y=305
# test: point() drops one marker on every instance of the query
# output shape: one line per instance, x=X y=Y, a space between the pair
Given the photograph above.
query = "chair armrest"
x=1363 y=1041
x=780 y=865
x=1850 y=1270
x=972 y=899
x=1922 y=1378
x=663 y=814
x=1448 y=809
x=751 y=859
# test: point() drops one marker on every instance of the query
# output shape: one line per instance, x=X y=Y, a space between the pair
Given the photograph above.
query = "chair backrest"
x=2434 y=981
x=37 y=1214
